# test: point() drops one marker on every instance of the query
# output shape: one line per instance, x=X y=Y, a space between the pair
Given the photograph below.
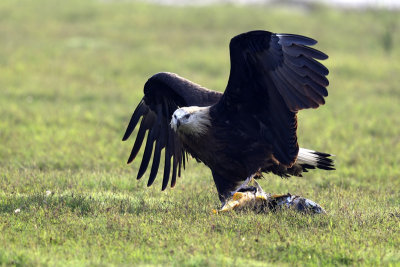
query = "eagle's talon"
x=237 y=196
x=244 y=185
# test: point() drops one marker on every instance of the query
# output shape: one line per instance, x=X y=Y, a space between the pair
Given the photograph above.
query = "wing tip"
x=140 y=174
x=125 y=137
x=322 y=55
x=296 y=37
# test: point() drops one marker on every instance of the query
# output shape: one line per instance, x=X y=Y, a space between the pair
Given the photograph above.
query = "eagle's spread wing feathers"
x=272 y=77
x=164 y=93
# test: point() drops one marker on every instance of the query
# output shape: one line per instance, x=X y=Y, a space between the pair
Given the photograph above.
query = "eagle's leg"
x=245 y=184
x=227 y=188
x=258 y=187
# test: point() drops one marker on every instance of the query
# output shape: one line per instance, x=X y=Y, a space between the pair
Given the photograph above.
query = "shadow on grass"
x=14 y=259
x=86 y=205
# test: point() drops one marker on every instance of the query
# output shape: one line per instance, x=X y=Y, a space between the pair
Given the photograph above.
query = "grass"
x=72 y=72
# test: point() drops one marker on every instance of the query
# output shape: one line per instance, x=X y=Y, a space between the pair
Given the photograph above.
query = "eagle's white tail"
x=311 y=159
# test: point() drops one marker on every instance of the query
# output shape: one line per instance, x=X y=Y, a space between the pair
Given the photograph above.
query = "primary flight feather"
x=248 y=129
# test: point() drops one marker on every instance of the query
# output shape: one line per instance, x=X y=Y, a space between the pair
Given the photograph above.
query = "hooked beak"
x=178 y=123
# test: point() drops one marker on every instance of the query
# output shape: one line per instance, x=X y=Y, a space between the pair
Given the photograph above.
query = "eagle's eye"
x=186 y=116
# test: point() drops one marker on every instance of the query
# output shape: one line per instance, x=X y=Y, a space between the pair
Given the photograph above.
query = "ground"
x=72 y=72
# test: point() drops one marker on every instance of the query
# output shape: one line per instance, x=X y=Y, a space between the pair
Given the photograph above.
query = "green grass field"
x=71 y=73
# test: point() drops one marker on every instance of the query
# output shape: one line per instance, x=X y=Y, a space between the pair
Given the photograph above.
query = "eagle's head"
x=191 y=120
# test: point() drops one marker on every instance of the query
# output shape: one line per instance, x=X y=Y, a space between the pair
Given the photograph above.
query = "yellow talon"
x=237 y=196
x=261 y=197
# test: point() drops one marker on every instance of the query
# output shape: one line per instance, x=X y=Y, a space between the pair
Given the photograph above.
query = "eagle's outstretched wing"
x=272 y=77
x=163 y=94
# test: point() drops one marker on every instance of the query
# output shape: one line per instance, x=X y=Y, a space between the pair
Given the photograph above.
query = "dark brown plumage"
x=252 y=125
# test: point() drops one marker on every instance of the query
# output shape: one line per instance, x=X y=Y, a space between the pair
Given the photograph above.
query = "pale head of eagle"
x=191 y=120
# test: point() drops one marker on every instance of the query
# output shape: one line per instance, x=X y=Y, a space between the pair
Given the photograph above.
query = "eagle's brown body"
x=232 y=161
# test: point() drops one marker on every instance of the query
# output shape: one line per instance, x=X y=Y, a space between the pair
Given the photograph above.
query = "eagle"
x=249 y=129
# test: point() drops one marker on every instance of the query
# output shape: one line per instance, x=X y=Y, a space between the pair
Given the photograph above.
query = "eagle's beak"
x=178 y=123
